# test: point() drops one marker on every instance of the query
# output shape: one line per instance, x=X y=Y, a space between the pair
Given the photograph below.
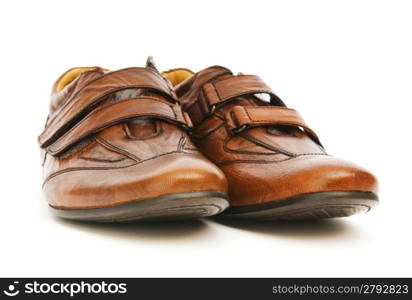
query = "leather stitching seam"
x=266 y=161
x=107 y=168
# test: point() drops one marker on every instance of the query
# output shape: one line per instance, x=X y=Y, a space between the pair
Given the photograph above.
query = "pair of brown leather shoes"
x=136 y=144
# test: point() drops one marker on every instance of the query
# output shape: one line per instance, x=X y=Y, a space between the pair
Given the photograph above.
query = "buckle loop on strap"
x=241 y=118
x=222 y=91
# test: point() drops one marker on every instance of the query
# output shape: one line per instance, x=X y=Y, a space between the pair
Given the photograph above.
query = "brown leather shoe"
x=275 y=164
x=115 y=148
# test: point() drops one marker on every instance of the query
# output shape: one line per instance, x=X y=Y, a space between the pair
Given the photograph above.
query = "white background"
x=345 y=65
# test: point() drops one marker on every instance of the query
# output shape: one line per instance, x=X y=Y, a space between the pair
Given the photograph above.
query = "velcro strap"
x=118 y=112
x=92 y=94
x=243 y=117
x=219 y=92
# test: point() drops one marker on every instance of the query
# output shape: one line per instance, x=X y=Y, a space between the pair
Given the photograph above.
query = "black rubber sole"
x=309 y=206
x=167 y=207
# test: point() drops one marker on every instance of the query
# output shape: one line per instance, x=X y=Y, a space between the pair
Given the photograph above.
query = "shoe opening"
x=176 y=76
x=69 y=76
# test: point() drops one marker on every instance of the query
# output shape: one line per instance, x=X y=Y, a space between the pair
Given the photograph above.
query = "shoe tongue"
x=140 y=128
x=150 y=64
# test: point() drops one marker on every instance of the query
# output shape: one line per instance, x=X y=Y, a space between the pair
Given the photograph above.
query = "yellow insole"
x=176 y=76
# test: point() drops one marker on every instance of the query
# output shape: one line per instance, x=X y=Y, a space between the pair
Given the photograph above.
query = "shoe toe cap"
x=297 y=176
x=169 y=174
